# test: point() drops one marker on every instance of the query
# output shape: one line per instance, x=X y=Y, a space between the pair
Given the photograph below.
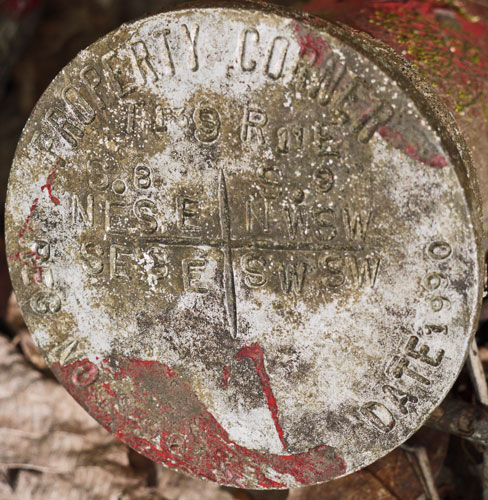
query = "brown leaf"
x=52 y=449
x=396 y=476
x=5 y=285
x=30 y=349
x=13 y=316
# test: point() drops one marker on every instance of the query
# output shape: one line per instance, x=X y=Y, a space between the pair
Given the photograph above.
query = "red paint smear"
x=18 y=256
x=424 y=7
x=19 y=8
x=255 y=354
x=397 y=140
x=226 y=376
x=49 y=187
x=27 y=220
x=341 y=10
x=437 y=161
x=108 y=389
x=195 y=442
x=38 y=273
x=84 y=373
x=311 y=45
x=26 y=259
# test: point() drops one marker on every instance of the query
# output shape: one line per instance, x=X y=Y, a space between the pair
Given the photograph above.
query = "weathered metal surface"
x=244 y=248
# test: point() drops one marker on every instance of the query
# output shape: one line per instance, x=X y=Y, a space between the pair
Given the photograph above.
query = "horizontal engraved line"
x=243 y=243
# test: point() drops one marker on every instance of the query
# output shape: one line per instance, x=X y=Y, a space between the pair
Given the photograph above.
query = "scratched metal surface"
x=243 y=247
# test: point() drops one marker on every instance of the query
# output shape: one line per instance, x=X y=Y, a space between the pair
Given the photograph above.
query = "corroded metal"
x=247 y=242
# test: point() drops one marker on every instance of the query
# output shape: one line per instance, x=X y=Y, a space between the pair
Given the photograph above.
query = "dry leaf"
x=395 y=476
x=52 y=449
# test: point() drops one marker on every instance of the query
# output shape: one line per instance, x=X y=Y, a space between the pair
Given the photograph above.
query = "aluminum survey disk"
x=246 y=249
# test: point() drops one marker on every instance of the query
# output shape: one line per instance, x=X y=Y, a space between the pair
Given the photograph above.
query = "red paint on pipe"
x=18 y=256
x=448 y=43
x=26 y=258
x=84 y=373
x=19 y=8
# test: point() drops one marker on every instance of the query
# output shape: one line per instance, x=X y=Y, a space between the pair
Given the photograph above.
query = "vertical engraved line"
x=229 y=285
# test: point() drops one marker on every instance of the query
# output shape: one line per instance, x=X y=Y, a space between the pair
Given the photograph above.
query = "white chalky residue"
x=253 y=428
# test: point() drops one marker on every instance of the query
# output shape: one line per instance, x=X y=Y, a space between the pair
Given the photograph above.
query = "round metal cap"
x=243 y=246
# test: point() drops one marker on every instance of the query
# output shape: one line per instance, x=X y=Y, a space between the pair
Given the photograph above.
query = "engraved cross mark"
x=226 y=244
x=229 y=285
